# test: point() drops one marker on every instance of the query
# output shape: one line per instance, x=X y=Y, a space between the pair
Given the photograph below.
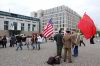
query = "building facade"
x=13 y=24
x=62 y=18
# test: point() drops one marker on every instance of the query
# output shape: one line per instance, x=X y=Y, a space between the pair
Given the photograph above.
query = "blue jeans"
x=38 y=44
x=32 y=45
x=27 y=46
x=75 y=51
x=19 y=45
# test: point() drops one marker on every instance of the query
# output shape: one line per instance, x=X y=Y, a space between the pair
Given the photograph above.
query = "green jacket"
x=58 y=38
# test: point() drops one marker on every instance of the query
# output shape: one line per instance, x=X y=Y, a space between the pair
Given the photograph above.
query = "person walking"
x=58 y=38
x=19 y=42
x=28 y=41
x=12 y=41
x=23 y=39
x=39 y=41
x=67 y=46
x=34 y=41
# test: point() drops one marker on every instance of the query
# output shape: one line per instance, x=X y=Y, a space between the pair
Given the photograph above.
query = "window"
x=62 y=29
x=22 y=26
x=6 y=25
x=33 y=27
x=60 y=25
x=15 y=25
x=28 y=27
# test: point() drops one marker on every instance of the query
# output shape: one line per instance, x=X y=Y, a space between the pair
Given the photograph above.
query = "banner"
x=11 y=26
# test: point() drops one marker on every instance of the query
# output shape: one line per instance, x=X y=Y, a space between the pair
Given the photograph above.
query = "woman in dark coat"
x=4 y=40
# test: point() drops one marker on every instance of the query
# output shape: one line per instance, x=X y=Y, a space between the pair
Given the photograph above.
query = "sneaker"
x=75 y=55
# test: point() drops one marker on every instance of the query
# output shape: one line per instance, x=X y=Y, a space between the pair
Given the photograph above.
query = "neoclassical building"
x=13 y=24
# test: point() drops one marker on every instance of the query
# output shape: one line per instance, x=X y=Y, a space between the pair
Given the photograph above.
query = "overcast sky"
x=24 y=7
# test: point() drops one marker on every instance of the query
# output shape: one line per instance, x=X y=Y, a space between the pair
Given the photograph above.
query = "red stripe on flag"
x=48 y=32
x=48 y=29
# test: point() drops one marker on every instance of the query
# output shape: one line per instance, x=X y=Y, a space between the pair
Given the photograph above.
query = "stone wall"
x=27 y=33
x=4 y=32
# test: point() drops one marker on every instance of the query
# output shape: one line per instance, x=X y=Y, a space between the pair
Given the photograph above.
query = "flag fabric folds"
x=48 y=29
x=87 y=26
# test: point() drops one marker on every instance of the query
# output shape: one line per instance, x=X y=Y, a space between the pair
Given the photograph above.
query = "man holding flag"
x=87 y=27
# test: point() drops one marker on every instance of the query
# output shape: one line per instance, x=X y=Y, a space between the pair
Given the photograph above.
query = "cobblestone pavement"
x=88 y=56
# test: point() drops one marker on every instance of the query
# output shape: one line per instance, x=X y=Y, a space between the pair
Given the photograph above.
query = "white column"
x=18 y=26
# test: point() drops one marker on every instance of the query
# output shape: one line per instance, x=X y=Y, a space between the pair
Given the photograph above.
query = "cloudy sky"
x=24 y=7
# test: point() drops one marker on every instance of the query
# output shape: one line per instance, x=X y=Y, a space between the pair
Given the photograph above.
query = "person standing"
x=4 y=40
x=67 y=46
x=58 y=38
x=81 y=40
x=35 y=41
x=76 y=41
x=92 y=39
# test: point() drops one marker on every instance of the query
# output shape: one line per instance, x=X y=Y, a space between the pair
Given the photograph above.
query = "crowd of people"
x=19 y=40
x=69 y=41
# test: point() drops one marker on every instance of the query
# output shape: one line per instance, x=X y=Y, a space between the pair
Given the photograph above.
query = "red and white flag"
x=87 y=26
x=48 y=29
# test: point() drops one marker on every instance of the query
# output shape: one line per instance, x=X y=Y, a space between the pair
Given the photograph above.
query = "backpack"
x=57 y=60
x=51 y=60
x=54 y=60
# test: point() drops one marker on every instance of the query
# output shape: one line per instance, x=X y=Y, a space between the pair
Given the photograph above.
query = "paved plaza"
x=88 y=55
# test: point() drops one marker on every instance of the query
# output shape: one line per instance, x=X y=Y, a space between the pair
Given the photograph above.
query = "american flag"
x=48 y=29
